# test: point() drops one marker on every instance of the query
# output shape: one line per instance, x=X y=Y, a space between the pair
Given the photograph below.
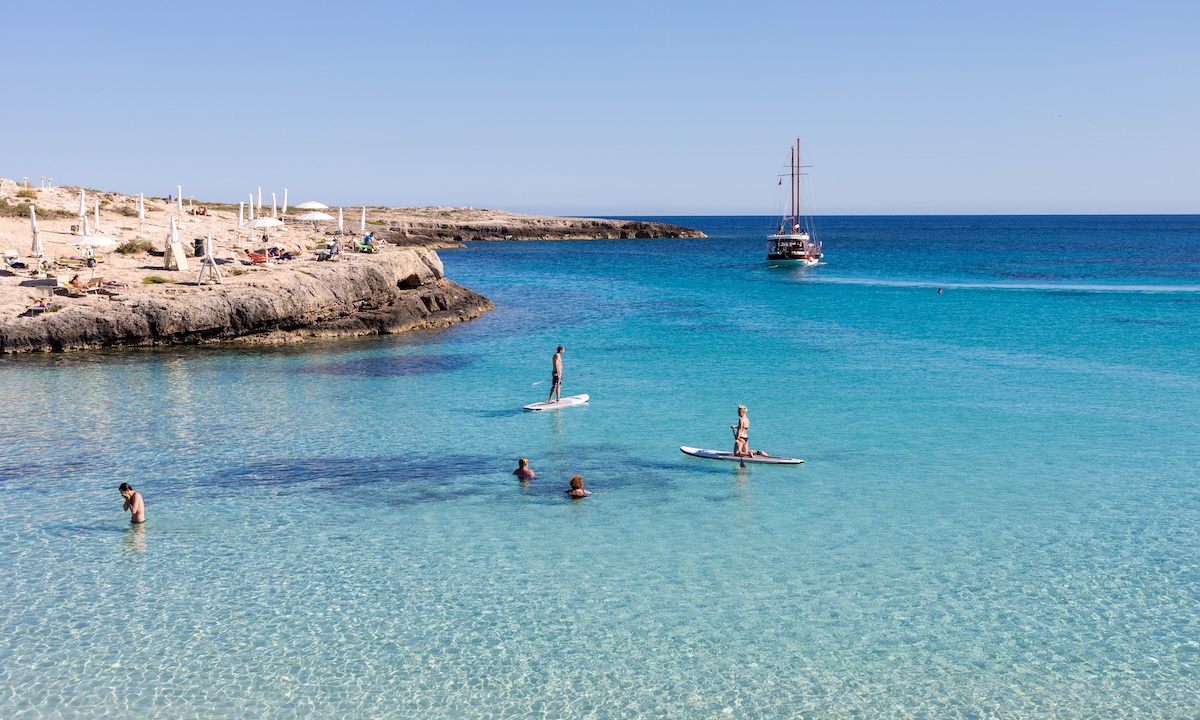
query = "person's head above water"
x=577 y=482
x=522 y=462
x=561 y=348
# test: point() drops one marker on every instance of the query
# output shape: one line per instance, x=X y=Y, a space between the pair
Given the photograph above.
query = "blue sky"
x=616 y=107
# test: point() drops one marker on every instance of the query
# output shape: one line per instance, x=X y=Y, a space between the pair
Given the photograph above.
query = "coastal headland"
x=435 y=225
x=137 y=298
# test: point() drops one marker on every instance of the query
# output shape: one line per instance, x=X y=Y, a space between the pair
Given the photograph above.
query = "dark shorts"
x=137 y=522
x=555 y=379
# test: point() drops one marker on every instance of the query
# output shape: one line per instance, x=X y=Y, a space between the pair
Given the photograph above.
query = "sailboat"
x=793 y=243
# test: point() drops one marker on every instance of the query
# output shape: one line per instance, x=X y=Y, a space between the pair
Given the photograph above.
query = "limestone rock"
x=393 y=292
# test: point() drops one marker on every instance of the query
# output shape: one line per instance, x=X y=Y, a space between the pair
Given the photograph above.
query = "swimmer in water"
x=523 y=472
x=133 y=503
x=577 y=490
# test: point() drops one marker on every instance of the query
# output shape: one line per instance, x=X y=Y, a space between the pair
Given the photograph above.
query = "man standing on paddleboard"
x=556 y=377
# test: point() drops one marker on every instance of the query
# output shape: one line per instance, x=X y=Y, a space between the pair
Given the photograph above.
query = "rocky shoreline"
x=135 y=293
x=397 y=291
x=436 y=227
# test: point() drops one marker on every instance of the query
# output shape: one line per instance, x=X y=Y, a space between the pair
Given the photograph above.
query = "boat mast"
x=796 y=189
x=793 y=191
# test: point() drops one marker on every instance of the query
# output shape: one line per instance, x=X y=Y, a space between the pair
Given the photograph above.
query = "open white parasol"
x=97 y=242
x=263 y=223
x=312 y=205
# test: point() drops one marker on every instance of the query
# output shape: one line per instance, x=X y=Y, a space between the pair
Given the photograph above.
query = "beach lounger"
x=12 y=261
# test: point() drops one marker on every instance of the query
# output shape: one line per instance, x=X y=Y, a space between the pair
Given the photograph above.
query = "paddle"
x=565 y=377
x=740 y=461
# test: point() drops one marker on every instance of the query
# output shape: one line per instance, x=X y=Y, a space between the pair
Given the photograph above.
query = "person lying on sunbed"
x=78 y=282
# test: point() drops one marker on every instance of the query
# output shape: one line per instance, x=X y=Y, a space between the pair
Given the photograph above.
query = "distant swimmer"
x=523 y=472
x=556 y=377
x=939 y=291
x=134 y=504
x=577 y=490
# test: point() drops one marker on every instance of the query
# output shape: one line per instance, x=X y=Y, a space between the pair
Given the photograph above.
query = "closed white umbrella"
x=285 y=201
x=173 y=257
x=340 y=226
x=179 y=198
x=36 y=249
x=260 y=199
x=362 y=224
x=97 y=216
x=251 y=207
x=141 y=207
x=82 y=205
x=241 y=214
x=312 y=205
x=274 y=214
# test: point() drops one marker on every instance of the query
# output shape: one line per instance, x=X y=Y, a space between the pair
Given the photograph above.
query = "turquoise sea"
x=998 y=516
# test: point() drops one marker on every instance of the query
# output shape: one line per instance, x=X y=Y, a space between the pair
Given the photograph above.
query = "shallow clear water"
x=998 y=515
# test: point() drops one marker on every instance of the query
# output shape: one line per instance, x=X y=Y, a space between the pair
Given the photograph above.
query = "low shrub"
x=154 y=280
x=127 y=210
x=27 y=193
x=137 y=245
x=21 y=209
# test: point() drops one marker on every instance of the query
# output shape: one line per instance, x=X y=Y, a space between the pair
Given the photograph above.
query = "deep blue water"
x=998 y=514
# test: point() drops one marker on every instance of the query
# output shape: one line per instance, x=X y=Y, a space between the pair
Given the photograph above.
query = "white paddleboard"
x=723 y=455
x=565 y=402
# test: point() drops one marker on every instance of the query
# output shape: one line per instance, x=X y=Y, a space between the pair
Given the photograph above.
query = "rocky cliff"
x=396 y=291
